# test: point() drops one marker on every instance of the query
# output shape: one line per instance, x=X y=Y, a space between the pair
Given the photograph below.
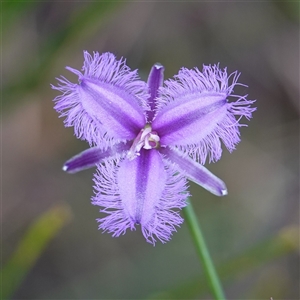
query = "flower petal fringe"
x=201 y=132
x=165 y=213
x=107 y=70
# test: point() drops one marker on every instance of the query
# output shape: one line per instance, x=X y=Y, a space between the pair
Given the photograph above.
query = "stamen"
x=146 y=139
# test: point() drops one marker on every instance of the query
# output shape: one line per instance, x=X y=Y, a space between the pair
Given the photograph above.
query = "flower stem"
x=202 y=250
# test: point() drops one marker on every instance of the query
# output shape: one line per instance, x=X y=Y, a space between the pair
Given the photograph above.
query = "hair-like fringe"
x=107 y=69
x=211 y=79
x=166 y=216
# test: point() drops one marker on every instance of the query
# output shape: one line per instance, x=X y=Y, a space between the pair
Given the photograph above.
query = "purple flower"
x=147 y=138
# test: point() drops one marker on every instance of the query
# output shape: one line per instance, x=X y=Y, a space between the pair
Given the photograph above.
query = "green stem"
x=208 y=266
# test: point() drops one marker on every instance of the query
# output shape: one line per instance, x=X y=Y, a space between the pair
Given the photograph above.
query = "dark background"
x=258 y=38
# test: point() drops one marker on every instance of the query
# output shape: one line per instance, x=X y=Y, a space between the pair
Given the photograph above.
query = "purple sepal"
x=155 y=81
x=195 y=172
x=92 y=156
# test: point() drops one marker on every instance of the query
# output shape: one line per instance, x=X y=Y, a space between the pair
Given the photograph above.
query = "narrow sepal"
x=195 y=172
x=92 y=156
x=155 y=81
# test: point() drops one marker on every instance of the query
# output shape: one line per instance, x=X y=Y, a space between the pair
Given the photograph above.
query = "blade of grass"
x=31 y=247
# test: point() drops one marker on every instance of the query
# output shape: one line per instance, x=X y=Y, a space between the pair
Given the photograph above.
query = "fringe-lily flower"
x=147 y=138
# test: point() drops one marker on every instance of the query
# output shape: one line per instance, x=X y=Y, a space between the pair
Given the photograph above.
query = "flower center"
x=147 y=139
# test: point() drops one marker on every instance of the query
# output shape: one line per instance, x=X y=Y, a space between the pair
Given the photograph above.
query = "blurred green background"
x=51 y=248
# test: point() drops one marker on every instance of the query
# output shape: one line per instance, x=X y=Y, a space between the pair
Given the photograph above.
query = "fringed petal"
x=108 y=103
x=141 y=191
x=195 y=115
